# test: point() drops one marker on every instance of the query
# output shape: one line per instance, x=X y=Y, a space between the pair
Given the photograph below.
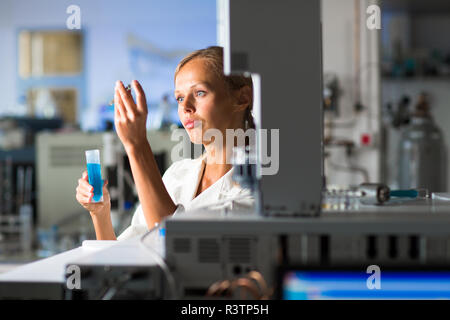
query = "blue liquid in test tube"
x=94 y=174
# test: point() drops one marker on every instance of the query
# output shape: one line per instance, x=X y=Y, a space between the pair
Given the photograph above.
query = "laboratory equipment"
x=367 y=194
x=374 y=193
x=296 y=161
x=95 y=174
x=136 y=276
x=244 y=163
x=410 y=193
x=16 y=210
x=331 y=93
x=422 y=152
x=60 y=160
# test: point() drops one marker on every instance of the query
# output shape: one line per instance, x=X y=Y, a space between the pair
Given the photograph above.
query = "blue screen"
x=319 y=285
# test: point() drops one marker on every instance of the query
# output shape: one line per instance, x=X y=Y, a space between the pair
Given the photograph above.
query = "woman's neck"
x=218 y=159
x=215 y=167
x=219 y=153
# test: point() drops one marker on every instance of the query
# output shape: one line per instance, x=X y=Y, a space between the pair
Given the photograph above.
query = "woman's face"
x=203 y=101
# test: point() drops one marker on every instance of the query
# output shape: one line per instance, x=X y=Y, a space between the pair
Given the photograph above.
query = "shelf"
x=415 y=79
x=417 y=6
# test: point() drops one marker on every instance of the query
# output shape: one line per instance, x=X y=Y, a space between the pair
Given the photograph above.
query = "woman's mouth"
x=190 y=124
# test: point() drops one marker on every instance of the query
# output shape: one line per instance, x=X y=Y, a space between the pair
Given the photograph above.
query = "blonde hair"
x=213 y=56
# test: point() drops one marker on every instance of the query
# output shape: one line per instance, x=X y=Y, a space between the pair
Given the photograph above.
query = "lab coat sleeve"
x=138 y=224
x=136 y=227
x=132 y=231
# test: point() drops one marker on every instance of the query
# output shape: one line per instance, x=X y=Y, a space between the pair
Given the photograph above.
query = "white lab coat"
x=181 y=181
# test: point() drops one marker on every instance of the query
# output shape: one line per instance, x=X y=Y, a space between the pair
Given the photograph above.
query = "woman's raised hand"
x=130 y=117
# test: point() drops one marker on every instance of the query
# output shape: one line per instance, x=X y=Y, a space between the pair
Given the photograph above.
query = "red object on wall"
x=366 y=139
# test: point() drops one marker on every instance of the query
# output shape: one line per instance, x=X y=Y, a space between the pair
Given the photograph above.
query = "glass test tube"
x=94 y=174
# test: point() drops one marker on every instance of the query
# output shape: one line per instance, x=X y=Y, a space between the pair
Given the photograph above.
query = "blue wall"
x=167 y=26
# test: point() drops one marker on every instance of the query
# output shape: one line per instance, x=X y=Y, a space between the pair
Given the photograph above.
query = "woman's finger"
x=85 y=190
x=119 y=108
x=87 y=197
x=117 y=114
x=83 y=199
x=140 y=97
x=127 y=99
x=84 y=184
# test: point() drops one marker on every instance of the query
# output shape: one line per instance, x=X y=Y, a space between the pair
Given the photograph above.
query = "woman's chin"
x=195 y=137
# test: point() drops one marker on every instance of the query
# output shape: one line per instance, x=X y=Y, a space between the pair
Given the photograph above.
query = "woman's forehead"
x=193 y=72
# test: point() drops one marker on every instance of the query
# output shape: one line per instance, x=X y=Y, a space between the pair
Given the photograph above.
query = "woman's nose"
x=188 y=104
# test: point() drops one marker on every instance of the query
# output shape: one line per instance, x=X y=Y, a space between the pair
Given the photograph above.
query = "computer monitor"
x=353 y=283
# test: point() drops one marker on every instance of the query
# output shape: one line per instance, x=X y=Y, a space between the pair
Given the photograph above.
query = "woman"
x=207 y=100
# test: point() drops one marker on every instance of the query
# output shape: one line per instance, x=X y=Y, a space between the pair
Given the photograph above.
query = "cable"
x=161 y=263
x=111 y=292
x=360 y=170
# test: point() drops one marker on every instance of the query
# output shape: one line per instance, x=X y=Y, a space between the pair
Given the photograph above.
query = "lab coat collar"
x=215 y=192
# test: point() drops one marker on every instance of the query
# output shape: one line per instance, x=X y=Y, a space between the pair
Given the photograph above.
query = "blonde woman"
x=207 y=99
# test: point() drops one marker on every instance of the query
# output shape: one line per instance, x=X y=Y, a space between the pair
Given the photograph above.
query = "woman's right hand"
x=130 y=117
x=85 y=193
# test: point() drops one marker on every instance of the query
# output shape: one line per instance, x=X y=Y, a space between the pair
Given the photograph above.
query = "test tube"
x=94 y=173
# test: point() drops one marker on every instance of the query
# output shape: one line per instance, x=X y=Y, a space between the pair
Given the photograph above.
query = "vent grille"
x=67 y=156
x=239 y=250
x=208 y=251
x=181 y=245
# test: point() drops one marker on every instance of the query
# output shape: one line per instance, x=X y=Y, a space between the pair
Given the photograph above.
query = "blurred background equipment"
x=370 y=99
x=374 y=193
x=18 y=214
x=414 y=60
x=331 y=93
x=423 y=154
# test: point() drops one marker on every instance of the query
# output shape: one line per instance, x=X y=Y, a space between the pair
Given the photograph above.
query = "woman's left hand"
x=130 y=118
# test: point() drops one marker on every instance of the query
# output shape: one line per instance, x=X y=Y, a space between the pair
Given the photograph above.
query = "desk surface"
x=52 y=269
x=46 y=270
x=46 y=278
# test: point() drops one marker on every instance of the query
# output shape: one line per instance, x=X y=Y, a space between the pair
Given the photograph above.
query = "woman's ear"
x=243 y=98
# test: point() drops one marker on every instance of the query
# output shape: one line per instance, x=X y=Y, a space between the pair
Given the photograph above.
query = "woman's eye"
x=201 y=93
x=180 y=99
